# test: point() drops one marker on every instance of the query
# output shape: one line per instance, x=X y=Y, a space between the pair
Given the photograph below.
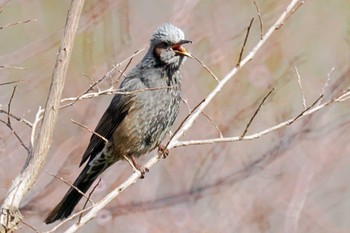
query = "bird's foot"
x=163 y=152
x=137 y=167
x=142 y=169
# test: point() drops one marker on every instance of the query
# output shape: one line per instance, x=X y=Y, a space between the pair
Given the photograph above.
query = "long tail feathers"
x=72 y=197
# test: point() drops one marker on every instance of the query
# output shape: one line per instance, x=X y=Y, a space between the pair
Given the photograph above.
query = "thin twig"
x=184 y=121
x=256 y=113
x=16 y=135
x=70 y=217
x=4 y=3
x=205 y=115
x=310 y=110
x=16 y=23
x=31 y=227
x=12 y=67
x=110 y=91
x=305 y=110
x=260 y=20
x=345 y=96
x=206 y=67
x=108 y=74
x=329 y=76
x=91 y=80
x=126 y=67
x=12 y=82
x=213 y=124
x=19 y=119
x=9 y=105
x=187 y=104
x=91 y=131
x=88 y=199
x=300 y=86
x=71 y=185
x=290 y=12
x=38 y=117
x=244 y=43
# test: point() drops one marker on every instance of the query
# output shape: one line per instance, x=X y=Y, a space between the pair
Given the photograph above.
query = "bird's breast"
x=150 y=119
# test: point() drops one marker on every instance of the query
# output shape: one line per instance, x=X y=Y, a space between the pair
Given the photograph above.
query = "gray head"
x=166 y=46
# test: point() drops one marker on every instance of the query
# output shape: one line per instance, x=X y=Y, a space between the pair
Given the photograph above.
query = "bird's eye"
x=165 y=44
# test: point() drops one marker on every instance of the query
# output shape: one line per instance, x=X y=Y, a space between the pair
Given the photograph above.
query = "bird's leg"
x=136 y=166
x=162 y=151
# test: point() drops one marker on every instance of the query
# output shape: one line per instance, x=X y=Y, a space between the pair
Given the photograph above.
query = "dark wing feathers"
x=115 y=113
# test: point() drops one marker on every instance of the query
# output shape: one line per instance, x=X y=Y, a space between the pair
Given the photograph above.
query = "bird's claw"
x=136 y=166
x=163 y=152
x=142 y=170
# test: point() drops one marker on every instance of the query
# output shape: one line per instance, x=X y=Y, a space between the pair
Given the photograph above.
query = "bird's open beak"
x=178 y=49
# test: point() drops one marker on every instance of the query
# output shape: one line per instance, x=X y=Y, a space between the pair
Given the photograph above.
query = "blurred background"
x=292 y=180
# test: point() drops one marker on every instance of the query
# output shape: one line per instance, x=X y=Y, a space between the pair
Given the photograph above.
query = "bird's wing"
x=110 y=120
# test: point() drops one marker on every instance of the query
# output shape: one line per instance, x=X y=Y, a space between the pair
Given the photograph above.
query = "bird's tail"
x=72 y=197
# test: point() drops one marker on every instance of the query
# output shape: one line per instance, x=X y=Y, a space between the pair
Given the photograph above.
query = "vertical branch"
x=32 y=169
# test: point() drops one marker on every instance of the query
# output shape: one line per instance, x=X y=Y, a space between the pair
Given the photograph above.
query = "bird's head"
x=166 y=45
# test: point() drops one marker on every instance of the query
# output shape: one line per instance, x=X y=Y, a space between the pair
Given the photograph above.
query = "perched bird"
x=135 y=122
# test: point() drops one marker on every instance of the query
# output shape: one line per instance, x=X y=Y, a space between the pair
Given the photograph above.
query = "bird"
x=137 y=120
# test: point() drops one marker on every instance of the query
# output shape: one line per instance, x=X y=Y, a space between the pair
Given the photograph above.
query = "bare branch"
x=245 y=42
x=36 y=159
x=9 y=116
x=206 y=67
x=306 y=109
x=256 y=113
x=213 y=124
x=71 y=185
x=19 y=119
x=87 y=95
x=290 y=11
x=310 y=110
x=30 y=226
x=3 y=67
x=188 y=122
x=187 y=105
x=260 y=20
x=126 y=67
x=91 y=131
x=4 y=3
x=329 y=75
x=9 y=105
x=37 y=119
x=108 y=198
x=70 y=217
x=300 y=87
x=16 y=23
x=110 y=91
x=205 y=115
x=12 y=82
x=88 y=199
x=16 y=135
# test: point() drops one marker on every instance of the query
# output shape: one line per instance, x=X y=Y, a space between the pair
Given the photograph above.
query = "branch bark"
x=10 y=216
